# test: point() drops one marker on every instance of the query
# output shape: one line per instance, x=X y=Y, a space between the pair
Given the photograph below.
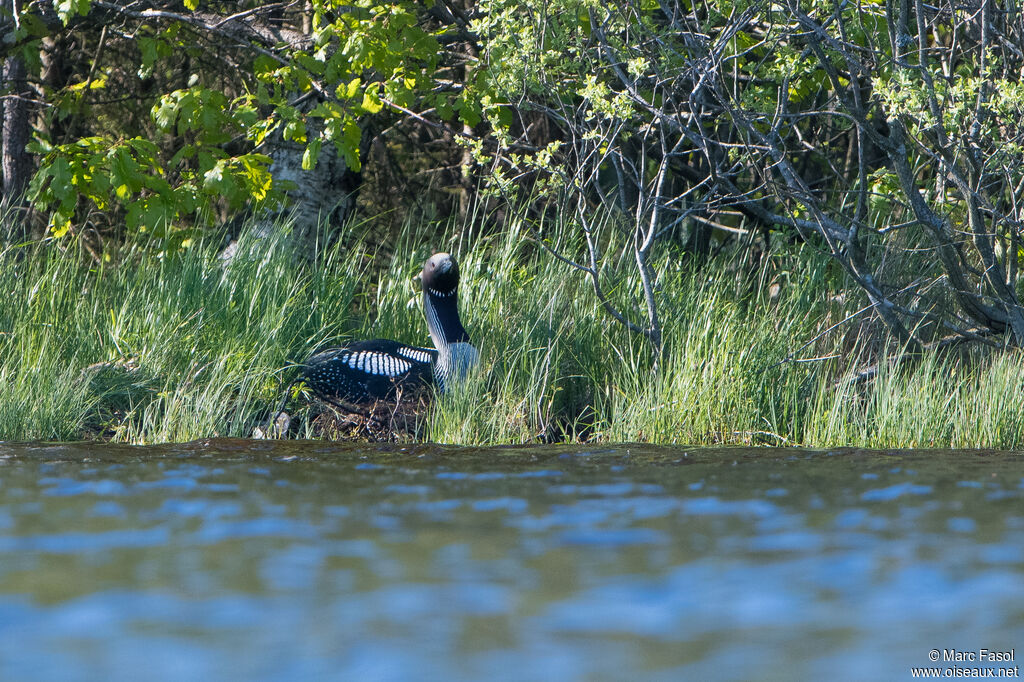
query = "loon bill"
x=363 y=371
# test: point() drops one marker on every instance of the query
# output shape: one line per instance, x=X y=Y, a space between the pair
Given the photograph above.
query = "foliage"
x=808 y=121
x=250 y=84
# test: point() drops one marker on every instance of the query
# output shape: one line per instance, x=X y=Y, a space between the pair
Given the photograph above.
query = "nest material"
x=392 y=420
x=119 y=384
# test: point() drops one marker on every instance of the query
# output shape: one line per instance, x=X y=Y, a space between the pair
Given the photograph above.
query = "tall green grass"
x=159 y=346
x=151 y=346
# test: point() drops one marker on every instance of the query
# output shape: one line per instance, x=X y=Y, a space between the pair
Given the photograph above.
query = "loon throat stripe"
x=443 y=320
x=433 y=325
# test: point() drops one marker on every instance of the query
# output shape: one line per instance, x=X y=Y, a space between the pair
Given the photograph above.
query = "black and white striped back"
x=368 y=370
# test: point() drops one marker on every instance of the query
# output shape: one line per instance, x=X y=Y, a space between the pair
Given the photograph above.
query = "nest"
x=384 y=421
x=119 y=385
x=400 y=418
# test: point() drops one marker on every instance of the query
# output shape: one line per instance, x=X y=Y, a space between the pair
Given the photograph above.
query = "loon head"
x=440 y=279
x=440 y=275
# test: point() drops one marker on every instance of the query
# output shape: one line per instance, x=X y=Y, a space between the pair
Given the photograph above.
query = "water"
x=237 y=560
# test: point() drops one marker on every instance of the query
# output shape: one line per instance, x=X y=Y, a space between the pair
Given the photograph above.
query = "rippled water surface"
x=236 y=560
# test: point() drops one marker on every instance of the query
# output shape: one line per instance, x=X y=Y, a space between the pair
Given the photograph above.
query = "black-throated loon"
x=363 y=371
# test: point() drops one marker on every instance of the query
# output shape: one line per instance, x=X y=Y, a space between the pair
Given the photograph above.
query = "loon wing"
x=367 y=370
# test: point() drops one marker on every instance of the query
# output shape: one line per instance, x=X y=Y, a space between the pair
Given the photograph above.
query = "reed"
x=152 y=345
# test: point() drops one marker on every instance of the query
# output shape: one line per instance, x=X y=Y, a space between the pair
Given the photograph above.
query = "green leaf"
x=352 y=138
x=148 y=49
x=125 y=171
x=61 y=176
x=213 y=179
x=444 y=109
x=295 y=130
x=59 y=225
x=469 y=112
x=257 y=177
x=165 y=113
x=309 y=63
x=65 y=9
x=311 y=155
x=371 y=101
x=353 y=87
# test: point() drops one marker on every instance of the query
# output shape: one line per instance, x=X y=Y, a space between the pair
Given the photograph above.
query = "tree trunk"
x=323 y=194
x=16 y=164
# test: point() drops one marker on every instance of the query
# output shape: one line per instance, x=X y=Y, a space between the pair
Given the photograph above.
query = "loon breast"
x=455 y=364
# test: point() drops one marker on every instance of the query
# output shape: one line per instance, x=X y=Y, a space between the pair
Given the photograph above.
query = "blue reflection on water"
x=895 y=492
x=320 y=565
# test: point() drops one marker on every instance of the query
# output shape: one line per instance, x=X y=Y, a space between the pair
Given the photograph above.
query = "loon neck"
x=442 y=313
